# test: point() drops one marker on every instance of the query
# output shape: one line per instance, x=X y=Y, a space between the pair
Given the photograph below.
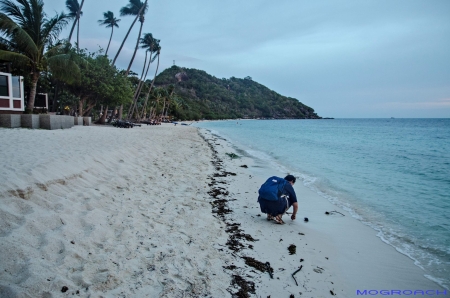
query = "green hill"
x=204 y=96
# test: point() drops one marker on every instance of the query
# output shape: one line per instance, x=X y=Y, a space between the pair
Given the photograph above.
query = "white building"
x=11 y=94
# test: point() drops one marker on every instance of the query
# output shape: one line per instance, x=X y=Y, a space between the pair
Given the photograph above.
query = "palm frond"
x=6 y=44
x=133 y=8
x=73 y=6
x=16 y=58
x=51 y=29
x=18 y=36
x=13 y=10
x=33 y=12
x=109 y=20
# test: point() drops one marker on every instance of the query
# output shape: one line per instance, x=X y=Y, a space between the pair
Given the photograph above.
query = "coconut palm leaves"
x=27 y=34
x=110 y=22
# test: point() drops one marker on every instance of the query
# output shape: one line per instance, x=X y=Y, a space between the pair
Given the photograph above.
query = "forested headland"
x=200 y=95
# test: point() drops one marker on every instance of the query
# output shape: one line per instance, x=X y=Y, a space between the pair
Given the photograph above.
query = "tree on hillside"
x=30 y=36
x=75 y=13
x=110 y=22
x=133 y=8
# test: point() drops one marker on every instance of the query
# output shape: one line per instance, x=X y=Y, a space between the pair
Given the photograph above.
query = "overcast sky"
x=345 y=59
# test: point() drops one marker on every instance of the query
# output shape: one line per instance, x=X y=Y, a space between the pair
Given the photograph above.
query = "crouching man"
x=275 y=209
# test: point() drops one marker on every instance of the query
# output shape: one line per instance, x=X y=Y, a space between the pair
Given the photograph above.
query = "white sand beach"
x=162 y=211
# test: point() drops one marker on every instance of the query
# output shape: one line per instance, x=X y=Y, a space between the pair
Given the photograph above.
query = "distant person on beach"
x=276 y=209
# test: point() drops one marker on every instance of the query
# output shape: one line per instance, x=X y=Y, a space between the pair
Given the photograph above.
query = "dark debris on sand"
x=237 y=236
x=292 y=249
x=245 y=287
x=257 y=264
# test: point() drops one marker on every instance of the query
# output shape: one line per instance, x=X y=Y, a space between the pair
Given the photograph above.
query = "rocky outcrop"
x=181 y=76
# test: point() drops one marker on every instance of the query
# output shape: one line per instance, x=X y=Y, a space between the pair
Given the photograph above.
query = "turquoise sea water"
x=392 y=174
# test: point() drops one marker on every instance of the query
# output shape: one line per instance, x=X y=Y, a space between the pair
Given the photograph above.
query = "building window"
x=16 y=87
x=4 y=90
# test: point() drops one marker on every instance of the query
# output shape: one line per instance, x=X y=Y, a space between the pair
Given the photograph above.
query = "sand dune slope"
x=106 y=211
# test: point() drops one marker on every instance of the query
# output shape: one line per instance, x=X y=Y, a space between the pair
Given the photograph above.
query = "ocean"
x=391 y=174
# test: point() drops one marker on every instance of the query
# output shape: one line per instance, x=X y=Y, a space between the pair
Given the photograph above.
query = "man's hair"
x=290 y=178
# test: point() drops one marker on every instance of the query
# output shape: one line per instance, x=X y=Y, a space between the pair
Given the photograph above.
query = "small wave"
x=439 y=281
x=258 y=154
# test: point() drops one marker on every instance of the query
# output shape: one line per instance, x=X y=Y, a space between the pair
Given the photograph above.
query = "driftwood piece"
x=334 y=211
x=269 y=269
x=295 y=273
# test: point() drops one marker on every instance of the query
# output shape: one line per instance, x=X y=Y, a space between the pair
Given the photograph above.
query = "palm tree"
x=141 y=20
x=158 y=51
x=110 y=22
x=151 y=45
x=133 y=8
x=29 y=36
x=75 y=13
x=137 y=8
x=168 y=97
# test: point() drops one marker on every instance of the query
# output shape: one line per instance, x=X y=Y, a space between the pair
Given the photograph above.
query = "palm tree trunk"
x=142 y=86
x=76 y=21
x=151 y=86
x=78 y=25
x=73 y=28
x=123 y=42
x=112 y=30
x=135 y=49
x=126 y=36
x=78 y=35
x=32 y=96
x=162 y=111
x=155 y=110
x=133 y=104
x=146 y=72
x=167 y=109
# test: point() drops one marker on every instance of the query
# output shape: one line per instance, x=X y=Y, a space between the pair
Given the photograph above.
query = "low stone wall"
x=67 y=122
x=87 y=121
x=78 y=120
x=55 y=121
x=43 y=121
x=10 y=120
x=50 y=121
x=29 y=121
